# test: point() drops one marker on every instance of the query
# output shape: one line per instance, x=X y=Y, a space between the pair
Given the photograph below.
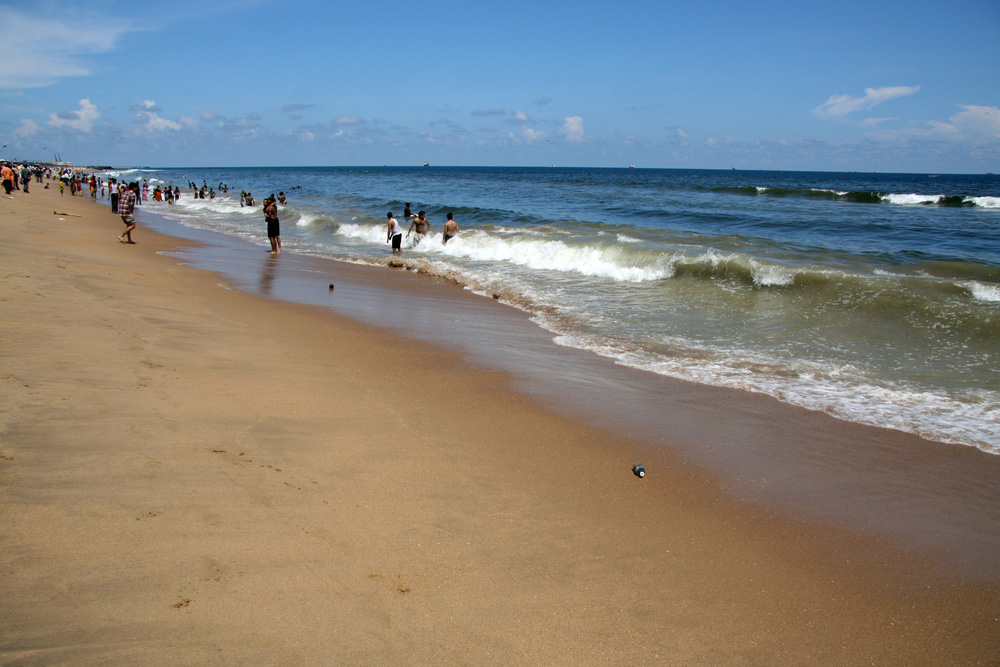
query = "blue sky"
x=866 y=86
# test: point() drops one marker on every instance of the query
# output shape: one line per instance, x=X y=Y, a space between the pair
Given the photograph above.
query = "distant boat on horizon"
x=427 y=163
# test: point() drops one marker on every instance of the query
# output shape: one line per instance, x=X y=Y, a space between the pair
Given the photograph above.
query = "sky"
x=828 y=86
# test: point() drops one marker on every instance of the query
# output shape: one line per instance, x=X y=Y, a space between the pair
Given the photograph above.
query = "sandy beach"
x=193 y=474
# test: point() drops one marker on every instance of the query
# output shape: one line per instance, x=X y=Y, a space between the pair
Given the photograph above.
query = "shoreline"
x=885 y=483
x=850 y=374
x=220 y=476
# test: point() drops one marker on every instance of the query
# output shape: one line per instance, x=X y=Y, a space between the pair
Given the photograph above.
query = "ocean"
x=874 y=298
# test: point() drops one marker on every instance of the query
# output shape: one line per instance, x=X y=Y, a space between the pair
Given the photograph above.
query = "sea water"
x=872 y=297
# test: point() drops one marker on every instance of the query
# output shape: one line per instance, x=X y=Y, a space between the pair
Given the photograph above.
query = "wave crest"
x=865 y=197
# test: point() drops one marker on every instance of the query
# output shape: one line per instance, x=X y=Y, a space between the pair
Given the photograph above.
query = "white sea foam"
x=912 y=199
x=920 y=200
x=984 y=292
x=306 y=219
x=222 y=214
x=532 y=252
x=771 y=275
x=985 y=202
x=548 y=255
x=363 y=232
x=215 y=207
x=843 y=391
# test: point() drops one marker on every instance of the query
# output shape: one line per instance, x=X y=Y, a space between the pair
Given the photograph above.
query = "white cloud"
x=82 y=120
x=972 y=123
x=28 y=128
x=680 y=136
x=841 y=106
x=518 y=118
x=348 y=120
x=573 y=128
x=527 y=135
x=39 y=52
x=977 y=121
x=152 y=121
x=146 y=105
x=148 y=119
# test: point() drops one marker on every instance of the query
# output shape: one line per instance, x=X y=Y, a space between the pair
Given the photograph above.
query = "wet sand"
x=192 y=473
x=943 y=500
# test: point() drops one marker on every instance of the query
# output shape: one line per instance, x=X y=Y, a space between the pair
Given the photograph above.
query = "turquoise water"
x=872 y=297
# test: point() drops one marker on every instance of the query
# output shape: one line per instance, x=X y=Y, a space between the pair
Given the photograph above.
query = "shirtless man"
x=450 y=229
x=423 y=226
x=273 y=227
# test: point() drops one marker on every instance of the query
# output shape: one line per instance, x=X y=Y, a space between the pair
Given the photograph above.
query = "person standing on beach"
x=395 y=235
x=423 y=226
x=273 y=228
x=450 y=229
x=8 y=177
x=126 y=209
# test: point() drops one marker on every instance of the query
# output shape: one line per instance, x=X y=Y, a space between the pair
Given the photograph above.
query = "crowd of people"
x=206 y=191
x=18 y=177
x=124 y=197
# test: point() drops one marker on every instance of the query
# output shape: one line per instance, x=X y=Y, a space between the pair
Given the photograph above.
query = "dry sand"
x=193 y=475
